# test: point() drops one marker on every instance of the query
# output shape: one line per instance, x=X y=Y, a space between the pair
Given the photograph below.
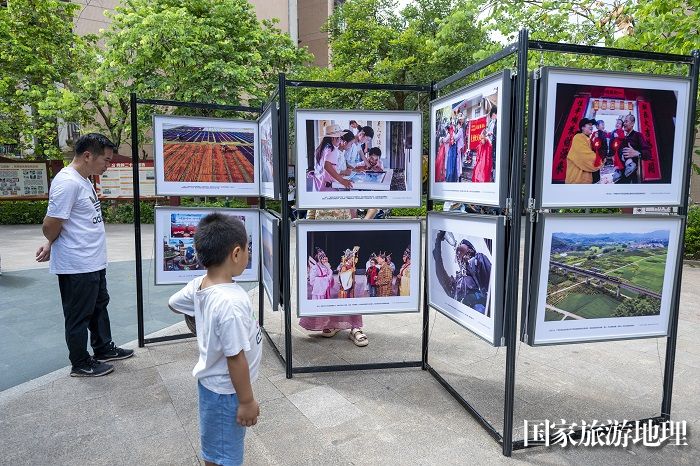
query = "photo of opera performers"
x=465 y=137
x=208 y=154
x=462 y=268
x=358 y=264
x=606 y=274
x=609 y=134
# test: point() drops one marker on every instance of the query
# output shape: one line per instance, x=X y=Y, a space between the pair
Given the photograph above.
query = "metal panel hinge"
x=537 y=74
x=532 y=210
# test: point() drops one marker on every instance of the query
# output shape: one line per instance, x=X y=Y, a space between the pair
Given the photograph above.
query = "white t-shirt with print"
x=225 y=327
x=81 y=245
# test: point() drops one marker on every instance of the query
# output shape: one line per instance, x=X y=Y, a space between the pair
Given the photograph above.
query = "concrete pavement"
x=146 y=411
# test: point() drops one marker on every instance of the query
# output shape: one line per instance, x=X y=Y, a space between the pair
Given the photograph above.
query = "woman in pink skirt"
x=329 y=326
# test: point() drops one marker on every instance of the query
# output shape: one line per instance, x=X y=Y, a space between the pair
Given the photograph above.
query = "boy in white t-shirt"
x=228 y=337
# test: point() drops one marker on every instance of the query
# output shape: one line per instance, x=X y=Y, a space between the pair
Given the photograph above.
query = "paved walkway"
x=146 y=412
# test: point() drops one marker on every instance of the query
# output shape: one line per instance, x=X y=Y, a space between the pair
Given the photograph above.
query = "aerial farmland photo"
x=213 y=155
x=601 y=275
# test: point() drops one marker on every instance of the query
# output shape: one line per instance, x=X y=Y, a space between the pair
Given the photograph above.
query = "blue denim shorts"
x=221 y=436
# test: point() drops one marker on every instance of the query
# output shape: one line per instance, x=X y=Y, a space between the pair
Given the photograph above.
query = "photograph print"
x=465 y=271
x=469 y=139
x=358 y=158
x=269 y=247
x=269 y=152
x=612 y=139
x=175 y=252
x=604 y=278
x=358 y=267
x=205 y=156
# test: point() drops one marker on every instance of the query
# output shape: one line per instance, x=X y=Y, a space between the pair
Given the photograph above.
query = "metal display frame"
x=285 y=238
x=134 y=103
x=534 y=213
x=515 y=209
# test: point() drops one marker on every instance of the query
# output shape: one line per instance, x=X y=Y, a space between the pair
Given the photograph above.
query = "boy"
x=228 y=338
x=373 y=162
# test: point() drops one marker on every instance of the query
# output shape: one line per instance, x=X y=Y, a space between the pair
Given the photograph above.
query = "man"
x=634 y=149
x=599 y=144
x=470 y=284
x=356 y=154
x=582 y=161
x=77 y=251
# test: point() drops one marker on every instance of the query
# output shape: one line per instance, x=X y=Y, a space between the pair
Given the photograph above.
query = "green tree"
x=40 y=57
x=640 y=306
x=213 y=51
x=373 y=41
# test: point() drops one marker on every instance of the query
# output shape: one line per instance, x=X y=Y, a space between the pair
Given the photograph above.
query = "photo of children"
x=359 y=267
x=465 y=147
x=176 y=253
x=358 y=156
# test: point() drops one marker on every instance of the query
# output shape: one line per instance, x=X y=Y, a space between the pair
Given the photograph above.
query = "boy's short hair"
x=217 y=235
x=369 y=132
x=347 y=136
x=375 y=151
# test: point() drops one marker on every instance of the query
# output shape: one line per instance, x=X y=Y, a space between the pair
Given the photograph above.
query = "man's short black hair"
x=494 y=111
x=375 y=151
x=217 y=235
x=369 y=132
x=95 y=143
x=353 y=121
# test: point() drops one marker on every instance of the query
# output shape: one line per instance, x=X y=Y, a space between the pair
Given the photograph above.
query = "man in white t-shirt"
x=77 y=252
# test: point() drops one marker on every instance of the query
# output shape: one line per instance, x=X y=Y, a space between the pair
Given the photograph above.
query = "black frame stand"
x=134 y=103
x=514 y=211
x=285 y=240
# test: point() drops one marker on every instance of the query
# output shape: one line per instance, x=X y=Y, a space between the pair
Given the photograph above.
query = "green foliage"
x=213 y=51
x=409 y=212
x=123 y=212
x=213 y=202
x=374 y=41
x=22 y=212
x=40 y=59
x=692 y=233
x=640 y=306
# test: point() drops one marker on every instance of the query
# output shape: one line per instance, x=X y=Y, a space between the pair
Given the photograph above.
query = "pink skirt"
x=324 y=322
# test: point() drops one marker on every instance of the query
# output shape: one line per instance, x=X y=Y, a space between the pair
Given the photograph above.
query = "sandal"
x=329 y=332
x=358 y=337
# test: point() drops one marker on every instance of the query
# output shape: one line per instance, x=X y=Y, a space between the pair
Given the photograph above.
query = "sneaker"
x=92 y=368
x=114 y=354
